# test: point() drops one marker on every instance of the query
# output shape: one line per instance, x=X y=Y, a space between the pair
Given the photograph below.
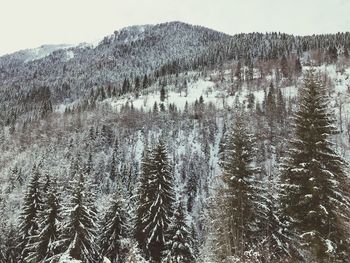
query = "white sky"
x=31 y=23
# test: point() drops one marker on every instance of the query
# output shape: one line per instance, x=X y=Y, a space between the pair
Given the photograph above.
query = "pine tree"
x=78 y=235
x=45 y=247
x=29 y=216
x=238 y=209
x=315 y=187
x=157 y=208
x=298 y=67
x=284 y=66
x=113 y=172
x=271 y=110
x=145 y=82
x=238 y=73
x=280 y=107
x=179 y=244
x=162 y=94
x=114 y=231
x=142 y=197
x=137 y=87
x=9 y=246
x=271 y=103
x=134 y=255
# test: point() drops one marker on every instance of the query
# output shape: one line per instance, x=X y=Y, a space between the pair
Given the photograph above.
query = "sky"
x=32 y=23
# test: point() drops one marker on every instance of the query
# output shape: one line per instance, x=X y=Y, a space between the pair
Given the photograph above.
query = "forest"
x=175 y=143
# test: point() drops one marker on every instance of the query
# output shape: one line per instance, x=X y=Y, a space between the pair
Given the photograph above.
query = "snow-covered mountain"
x=28 y=55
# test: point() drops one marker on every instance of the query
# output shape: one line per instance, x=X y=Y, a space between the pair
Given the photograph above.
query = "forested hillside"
x=176 y=143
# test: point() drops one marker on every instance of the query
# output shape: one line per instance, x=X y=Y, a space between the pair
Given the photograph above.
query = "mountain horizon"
x=96 y=42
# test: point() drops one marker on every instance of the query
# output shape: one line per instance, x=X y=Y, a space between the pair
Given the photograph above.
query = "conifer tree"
x=271 y=110
x=315 y=187
x=142 y=204
x=238 y=211
x=113 y=172
x=8 y=246
x=162 y=94
x=298 y=67
x=145 y=82
x=280 y=107
x=29 y=216
x=45 y=247
x=238 y=73
x=156 y=210
x=78 y=235
x=179 y=244
x=284 y=66
x=114 y=231
x=137 y=87
x=134 y=255
x=271 y=104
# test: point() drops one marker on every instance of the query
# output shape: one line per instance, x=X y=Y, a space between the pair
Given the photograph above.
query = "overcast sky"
x=31 y=23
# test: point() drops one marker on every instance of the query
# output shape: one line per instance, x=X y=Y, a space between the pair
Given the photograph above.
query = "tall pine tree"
x=179 y=242
x=31 y=208
x=79 y=231
x=142 y=206
x=114 y=231
x=158 y=205
x=239 y=206
x=45 y=247
x=315 y=187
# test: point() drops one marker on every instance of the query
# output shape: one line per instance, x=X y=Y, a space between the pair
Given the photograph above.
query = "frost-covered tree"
x=113 y=169
x=114 y=231
x=142 y=196
x=239 y=207
x=179 y=242
x=158 y=205
x=134 y=255
x=315 y=186
x=8 y=248
x=29 y=218
x=45 y=247
x=79 y=231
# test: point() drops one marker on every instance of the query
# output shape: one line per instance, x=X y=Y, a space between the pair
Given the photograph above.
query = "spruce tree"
x=78 y=235
x=179 y=244
x=284 y=66
x=237 y=211
x=238 y=72
x=298 y=67
x=114 y=231
x=280 y=107
x=142 y=204
x=315 y=187
x=45 y=247
x=9 y=246
x=113 y=171
x=137 y=87
x=158 y=206
x=31 y=208
x=162 y=94
x=134 y=255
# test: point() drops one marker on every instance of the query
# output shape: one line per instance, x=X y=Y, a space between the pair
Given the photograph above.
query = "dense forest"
x=176 y=143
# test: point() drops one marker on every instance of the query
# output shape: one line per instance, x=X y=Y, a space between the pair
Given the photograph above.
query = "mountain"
x=131 y=51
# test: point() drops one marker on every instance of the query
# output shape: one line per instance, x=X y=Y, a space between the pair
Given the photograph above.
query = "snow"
x=195 y=90
x=70 y=54
x=330 y=247
x=65 y=258
x=42 y=52
x=201 y=87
